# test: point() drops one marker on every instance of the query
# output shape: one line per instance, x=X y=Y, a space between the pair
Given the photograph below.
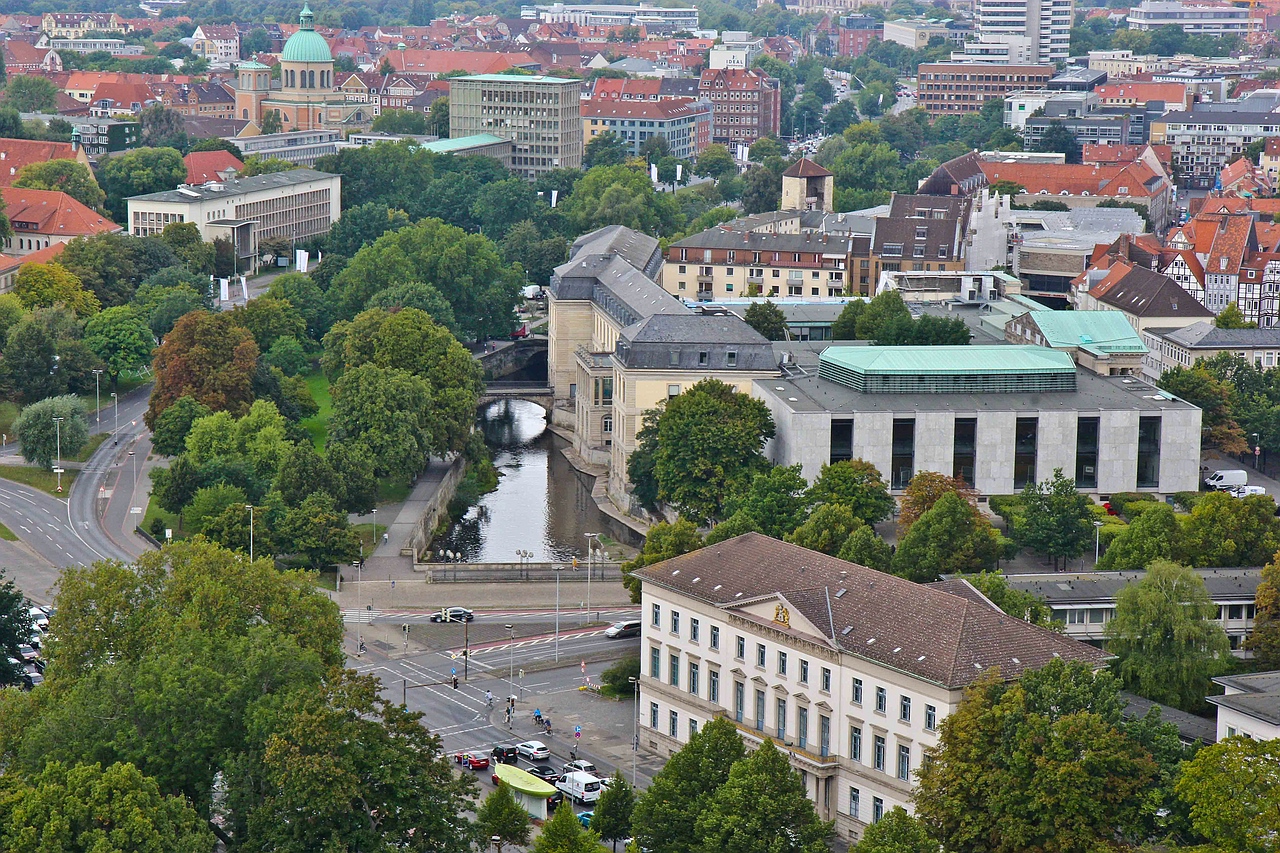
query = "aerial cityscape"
x=709 y=426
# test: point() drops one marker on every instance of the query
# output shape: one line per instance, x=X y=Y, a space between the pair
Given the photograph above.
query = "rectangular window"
x=854 y=797
x=759 y=654
x=731 y=359
x=824 y=735
x=657 y=615
x=653 y=715
x=804 y=671
x=904 y=762
x=857 y=691
x=693 y=727
x=855 y=743
x=878 y=762
x=655 y=663
x=1149 y=452
x=965 y=450
x=930 y=718
x=674 y=725
x=760 y=710
x=782 y=719
x=877 y=809
x=841 y=440
x=693 y=677
x=742 y=649
x=739 y=700
x=882 y=700
x=802 y=728
x=904 y=709
x=826 y=680
x=1024 y=452
x=1087 y=453
x=675 y=621
x=673 y=670
x=782 y=663
x=902 y=465
x=713 y=685
x=715 y=637
x=694 y=630
x=673 y=391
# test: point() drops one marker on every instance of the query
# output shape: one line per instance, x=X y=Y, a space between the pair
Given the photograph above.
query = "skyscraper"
x=1046 y=24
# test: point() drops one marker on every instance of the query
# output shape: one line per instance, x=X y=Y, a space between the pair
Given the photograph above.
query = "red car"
x=472 y=760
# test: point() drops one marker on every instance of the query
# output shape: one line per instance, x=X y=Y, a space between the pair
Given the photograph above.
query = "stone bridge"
x=527 y=356
x=539 y=394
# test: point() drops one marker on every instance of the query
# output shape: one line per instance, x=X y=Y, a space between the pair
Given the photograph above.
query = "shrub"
x=615 y=681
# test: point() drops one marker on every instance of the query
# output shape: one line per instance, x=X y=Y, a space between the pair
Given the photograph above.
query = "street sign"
x=453 y=670
x=577 y=732
x=137 y=510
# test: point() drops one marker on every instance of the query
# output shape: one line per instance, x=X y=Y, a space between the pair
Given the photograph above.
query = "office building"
x=1197 y=19
x=954 y=88
x=856 y=33
x=1249 y=705
x=540 y=115
x=1206 y=136
x=1046 y=23
x=303 y=147
x=735 y=50
x=916 y=33
x=684 y=123
x=999 y=416
x=747 y=104
x=1100 y=341
x=675 y=18
x=848 y=671
x=1183 y=347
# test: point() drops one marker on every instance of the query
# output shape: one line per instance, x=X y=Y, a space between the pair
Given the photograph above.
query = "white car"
x=1246 y=491
x=534 y=750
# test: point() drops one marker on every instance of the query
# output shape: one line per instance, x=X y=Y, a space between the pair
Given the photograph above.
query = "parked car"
x=27 y=654
x=579 y=767
x=534 y=750
x=580 y=787
x=544 y=772
x=554 y=801
x=504 y=753
x=1227 y=478
x=472 y=760
x=626 y=628
x=453 y=614
x=39 y=618
x=31 y=680
x=584 y=818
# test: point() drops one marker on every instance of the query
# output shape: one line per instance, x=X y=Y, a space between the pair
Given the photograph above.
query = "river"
x=542 y=504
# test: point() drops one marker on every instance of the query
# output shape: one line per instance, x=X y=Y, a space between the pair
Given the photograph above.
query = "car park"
x=472 y=760
x=39 y=619
x=27 y=654
x=1246 y=491
x=626 y=628
x=504 y=753
x=453 y=614
x=534 y=750
x=579 y=767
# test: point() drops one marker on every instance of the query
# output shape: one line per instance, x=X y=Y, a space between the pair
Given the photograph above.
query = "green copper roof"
x=949 y=370
x=252 y=66
x=1094 y=331
x=459 y=143
x=306 y=45
x=514 y=78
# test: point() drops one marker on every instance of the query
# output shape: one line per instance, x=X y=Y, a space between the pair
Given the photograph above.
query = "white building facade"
x=1249 y=706
x=1046 y=23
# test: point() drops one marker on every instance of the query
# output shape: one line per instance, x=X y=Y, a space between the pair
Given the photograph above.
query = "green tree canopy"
x=15 y=629
x=716 y=162
x=923 y=491
x=1222 y=530
x=896 y=832
x=1213 y=397
x=137 y=172
x=1058 y=520
x=501 y=817
x=612 y=817
x=388 y=411
x=41 y=437
x=170 y=435
x=44 y=285
x=663 y=542
x=605 y=149
x=1264 y=642
x=767 y=319
x=208 y=357
x=562 y=833
x=1233 y=790
x=67 y=176
x=776 y=501
x=855 y=484
x=845 y=328
x=866 y=548
x=951 y=537
x=826 y=529
x=121 y=339
x=1151 y=536
x=31 y=93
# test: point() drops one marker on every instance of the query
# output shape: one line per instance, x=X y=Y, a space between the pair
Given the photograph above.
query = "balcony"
x=705 y=279
x=815 y=761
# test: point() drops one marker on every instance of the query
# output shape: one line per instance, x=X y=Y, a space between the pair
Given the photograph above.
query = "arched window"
x=311 y=82
x=606 y=424
x=246 y=113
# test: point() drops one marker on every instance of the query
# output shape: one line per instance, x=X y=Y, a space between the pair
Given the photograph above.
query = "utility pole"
x=57 y=427
x=97 y=395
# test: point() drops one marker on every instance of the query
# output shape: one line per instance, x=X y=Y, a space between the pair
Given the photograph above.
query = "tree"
x=162 y=127
x=666 y=815
x=1057 y=519
x=881 y=312
x=606 y=149
x=705 y=444
x=612 y=817
x=826 y=529
x=857 y=485
x=207 y=357
x=1264 y=642
x=1151 y=536
x=950 y=538
x=363 y=225
x=15 y=629
x=271 y=122
x=762 y=806
x=1035 y=765
x=500 y=205
x=31 y=93
x=923 y=491
x=525 y=245
x=39 y=285
x=839 y=117
x=896 y=832
x=215 y=143
x=351 y=467
x=1222 y=530
x=1016 y=603
x=185 y=240
x=762 y=189
x=30 y=362
x=400 y=121
x=501 y=817
x=654 y=149
x=95 y=810
x=269 y=319
x=121 y=339
x=170 y=435
x=663 y=542
x=845 y=327
x=865 y=548
x=563 y=833
x=715 y=162
x=112 y=265
x=41 y=437
x=620 y=195
x=1058 y=138
x=1213 y=397
x=1233 y=790
x=775 y=501
x=767 y=319
x=255 y=165
x=318 y=533
x=1232 y=317
x=386 y=410
x=764 y=148
x=137 y=172
x=438 y=118
x=1166 y=642
x=67 y=176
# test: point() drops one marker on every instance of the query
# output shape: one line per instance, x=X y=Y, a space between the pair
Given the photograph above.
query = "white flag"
x=653 y=172
x=554 y=195
x=300 y=260
x=679 y=171
x=223 y=287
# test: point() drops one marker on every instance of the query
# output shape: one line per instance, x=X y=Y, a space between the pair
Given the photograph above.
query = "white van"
x=1228 y=478
x=580 y=787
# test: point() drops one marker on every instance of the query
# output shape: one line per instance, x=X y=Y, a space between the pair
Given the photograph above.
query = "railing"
x=788 y=746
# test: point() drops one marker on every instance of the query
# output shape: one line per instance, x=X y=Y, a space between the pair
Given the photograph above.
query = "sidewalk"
x=401 y=520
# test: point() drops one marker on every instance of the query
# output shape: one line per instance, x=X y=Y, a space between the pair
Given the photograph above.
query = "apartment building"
x=1100 y=341
x=954 y=88
x=920 y=233
x=747 y=104
x=856 y=33
x=915 y=33
x=41 y=218
x=727 y=264
x=1122 y=63
x=1249 y=706
x=675 y=18
x=849 y=671
x=1206 y=136
x=540 y=115
x=1201 y=19
x=1045 y=23
x=684 y=123
x=17 y=153
x=76 y=25
x=218 y=43
x=1170 y=348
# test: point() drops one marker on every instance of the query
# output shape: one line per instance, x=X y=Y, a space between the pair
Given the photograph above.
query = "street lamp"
x=593 y=542
x=1257 y=451
x=1097 y=541
x=97 y=394
x=250 y=508
x=558 y=570
x=635 y=728
x=57 y=429
x=511 y=669
x=133 y=460
x=116 y=398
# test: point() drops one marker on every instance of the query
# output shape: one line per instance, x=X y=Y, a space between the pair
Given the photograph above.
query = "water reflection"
x=541 y=505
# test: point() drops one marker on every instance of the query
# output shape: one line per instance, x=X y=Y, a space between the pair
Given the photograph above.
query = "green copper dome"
x=306 y=45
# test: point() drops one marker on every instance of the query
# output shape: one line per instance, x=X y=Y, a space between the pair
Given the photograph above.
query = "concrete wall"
x=434 y=509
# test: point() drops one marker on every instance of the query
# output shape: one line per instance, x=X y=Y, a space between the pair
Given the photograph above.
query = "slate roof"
x=680 y=341
x=1259 y=697
x=929 y=633
x=1144 y=293
x=1102 y=587
x=1205 y=335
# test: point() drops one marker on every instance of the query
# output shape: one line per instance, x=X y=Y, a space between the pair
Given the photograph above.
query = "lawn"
x=38 y=478
x=318 y=424
x=153 y=512
x=369 y=534
x=393 y=490
x=95 y=441
x=7 y=534
x=8 y=414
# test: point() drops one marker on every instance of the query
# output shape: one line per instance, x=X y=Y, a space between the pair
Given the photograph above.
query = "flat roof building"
x=539 y=115
x=1249 y=706
x=1100 y=341
x=954 y=88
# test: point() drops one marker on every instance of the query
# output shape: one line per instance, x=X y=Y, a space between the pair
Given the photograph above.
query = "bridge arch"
x=497 y=391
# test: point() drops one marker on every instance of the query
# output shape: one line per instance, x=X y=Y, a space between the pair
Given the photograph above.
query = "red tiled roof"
x=444 y=61
x=1174 y=94
x=204 y=166
x=655 y=110
x=53 y=214
x=39 y=256
x=805 y=168
x=1078 y=179
x=16 y=153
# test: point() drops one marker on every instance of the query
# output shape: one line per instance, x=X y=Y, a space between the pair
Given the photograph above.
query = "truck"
x=580 y=787
x=1226 y=479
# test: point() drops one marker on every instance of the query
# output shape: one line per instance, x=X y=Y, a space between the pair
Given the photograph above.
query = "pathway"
x=388 y=558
